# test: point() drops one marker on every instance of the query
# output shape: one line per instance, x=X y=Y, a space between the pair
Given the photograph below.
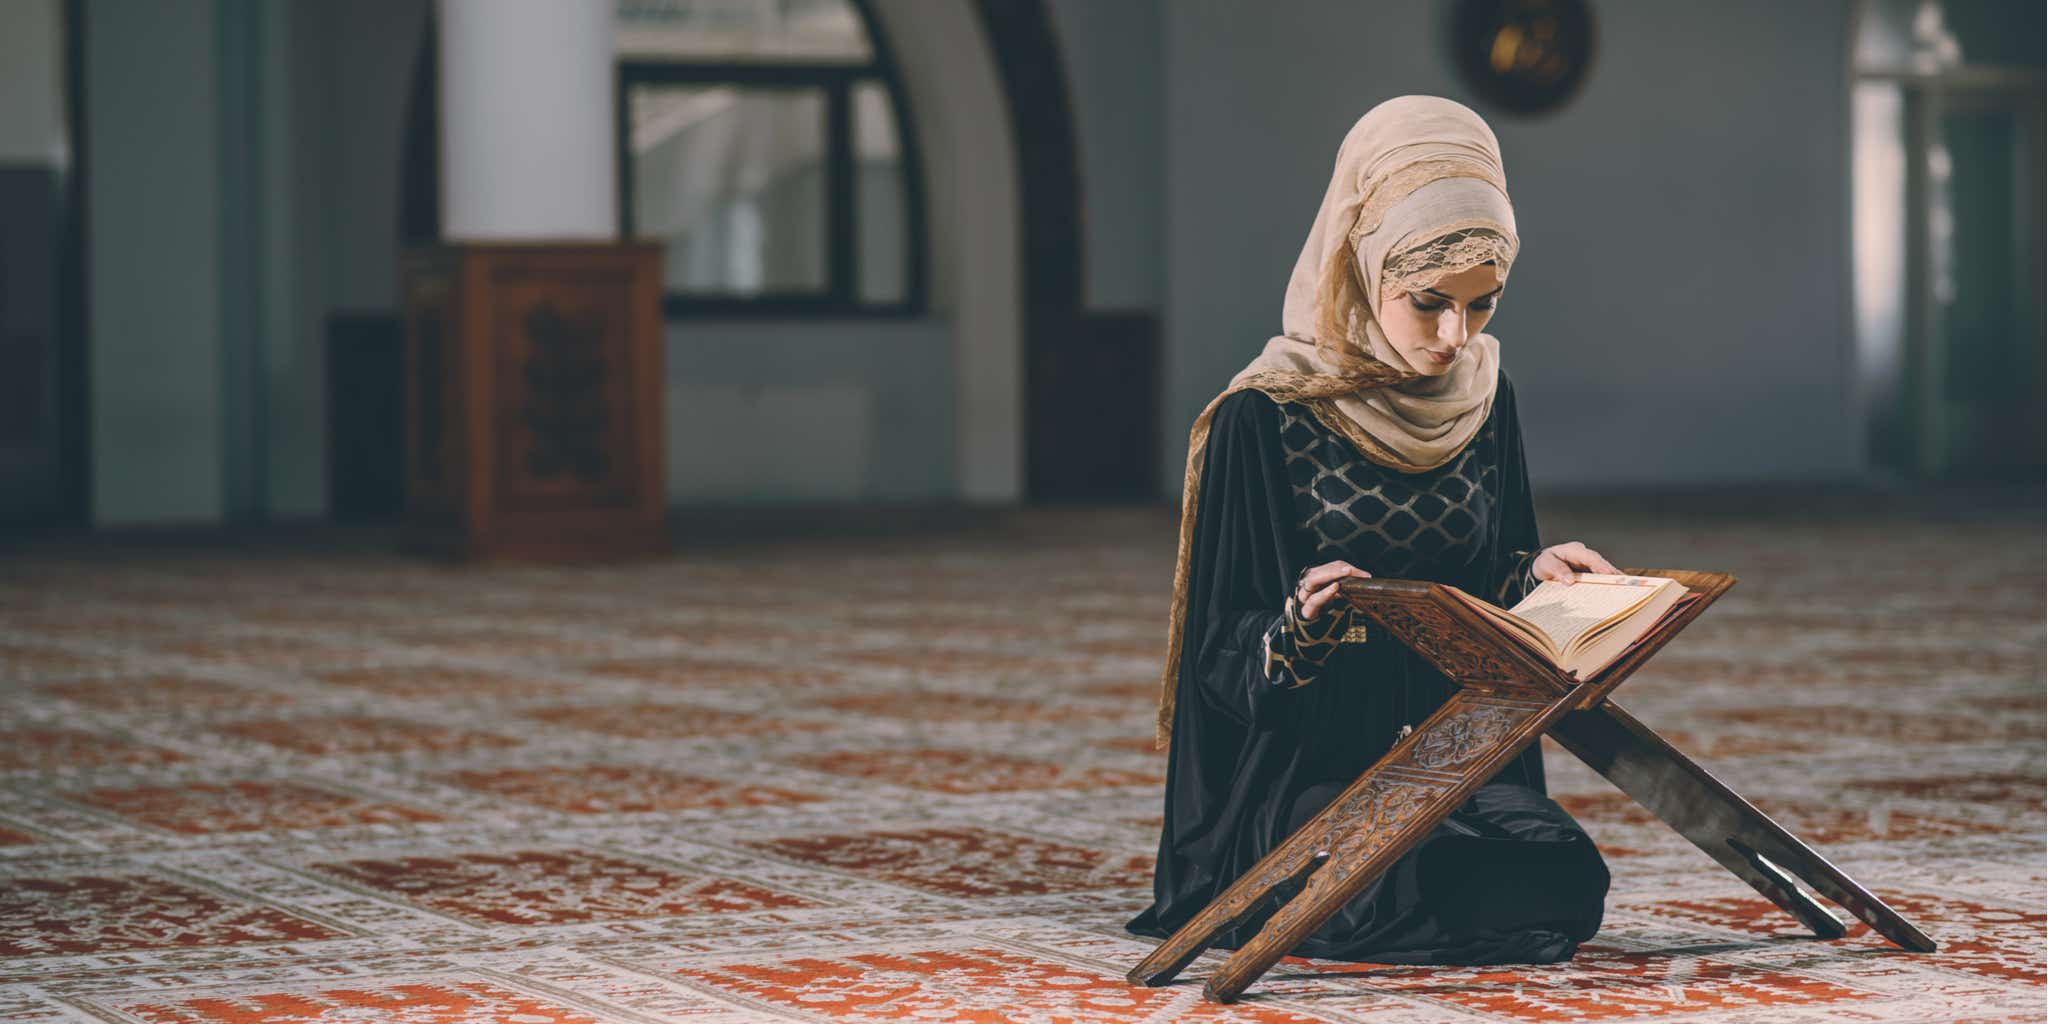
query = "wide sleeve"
x=1518 y=543
x=1245 y=646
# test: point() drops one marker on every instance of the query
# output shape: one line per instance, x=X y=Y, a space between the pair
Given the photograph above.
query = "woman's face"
x=1430 y=327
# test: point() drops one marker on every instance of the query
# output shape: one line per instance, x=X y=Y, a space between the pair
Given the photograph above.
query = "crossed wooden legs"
x=1725 y=826
x=1379 y=817
x=1395 y=803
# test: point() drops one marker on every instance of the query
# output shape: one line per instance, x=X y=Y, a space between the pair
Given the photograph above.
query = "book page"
x=1512 y=625
x=1565 y=611
x=1607 y=643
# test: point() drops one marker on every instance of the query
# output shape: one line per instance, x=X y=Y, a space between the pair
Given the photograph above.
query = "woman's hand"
x=1318 y=586
x=1559 y=562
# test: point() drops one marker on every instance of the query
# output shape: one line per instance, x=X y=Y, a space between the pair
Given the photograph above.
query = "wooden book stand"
x=1506 y=699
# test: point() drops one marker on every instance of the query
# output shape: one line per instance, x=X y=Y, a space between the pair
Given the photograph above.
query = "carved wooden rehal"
x=1507 y=698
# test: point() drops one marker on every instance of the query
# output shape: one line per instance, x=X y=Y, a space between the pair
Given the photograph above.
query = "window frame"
x=836 y=80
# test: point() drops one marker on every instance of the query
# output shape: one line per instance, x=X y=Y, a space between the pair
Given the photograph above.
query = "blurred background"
x=840 y=355
x=963 y=253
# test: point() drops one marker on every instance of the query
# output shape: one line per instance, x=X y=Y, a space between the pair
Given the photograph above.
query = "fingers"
x=1588 y=559
x=1562 y=561
x=1314 y=605
x=1315 y=578
x=1549 y=566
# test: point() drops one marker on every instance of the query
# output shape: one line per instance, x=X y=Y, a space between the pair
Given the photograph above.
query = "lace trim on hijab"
x=1341 y=316
x=1341 y=332
x=1440 y=257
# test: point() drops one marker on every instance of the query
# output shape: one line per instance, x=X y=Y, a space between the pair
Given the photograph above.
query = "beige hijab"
x=1418 y=193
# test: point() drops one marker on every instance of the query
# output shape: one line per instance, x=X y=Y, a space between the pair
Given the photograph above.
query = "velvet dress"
x=1274 y=717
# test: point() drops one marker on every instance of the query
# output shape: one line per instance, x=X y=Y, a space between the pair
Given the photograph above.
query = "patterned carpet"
x=909 y=778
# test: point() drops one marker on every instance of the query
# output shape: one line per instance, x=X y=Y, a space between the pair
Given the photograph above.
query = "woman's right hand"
x=1318 y=586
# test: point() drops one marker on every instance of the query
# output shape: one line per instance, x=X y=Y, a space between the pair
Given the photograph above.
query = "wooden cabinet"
x=533 y=401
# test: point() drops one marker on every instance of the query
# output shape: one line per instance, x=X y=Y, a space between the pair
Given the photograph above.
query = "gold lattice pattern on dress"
x=1518 y=580
x=1297 y=648
x=1394 y=521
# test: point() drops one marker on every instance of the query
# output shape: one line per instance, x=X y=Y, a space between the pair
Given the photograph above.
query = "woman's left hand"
x=1560 y=561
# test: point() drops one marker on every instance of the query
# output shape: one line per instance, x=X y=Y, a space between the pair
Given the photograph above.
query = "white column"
x=527 y=120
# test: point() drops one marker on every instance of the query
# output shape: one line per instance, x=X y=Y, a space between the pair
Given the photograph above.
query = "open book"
x=1583 y=626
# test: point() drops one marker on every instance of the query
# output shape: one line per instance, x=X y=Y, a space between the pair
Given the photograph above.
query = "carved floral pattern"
x=1456 y=741
x=1430 y=631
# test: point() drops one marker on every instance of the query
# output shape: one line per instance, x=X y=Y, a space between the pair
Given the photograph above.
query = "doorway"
x=1948 y=224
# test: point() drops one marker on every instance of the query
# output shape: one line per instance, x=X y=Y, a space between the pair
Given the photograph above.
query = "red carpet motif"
x=911 y=779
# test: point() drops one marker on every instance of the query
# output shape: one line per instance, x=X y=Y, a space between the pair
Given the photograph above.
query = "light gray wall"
x=32 y=83
x=244 y=184
x=838 y=410
x=363 y=51
x=1115 y=82
x=973 y=214
x=34 y=164
x=1679 y=311
x=335 y=208
x=153 y=189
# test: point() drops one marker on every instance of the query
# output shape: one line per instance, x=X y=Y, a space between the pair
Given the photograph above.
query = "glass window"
x=883 y=210
x=798 y=31
x=1930 y=36
x=760 y=143
x=733 y=180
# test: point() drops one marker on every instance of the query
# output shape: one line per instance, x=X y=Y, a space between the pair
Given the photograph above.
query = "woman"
x=1376 y=435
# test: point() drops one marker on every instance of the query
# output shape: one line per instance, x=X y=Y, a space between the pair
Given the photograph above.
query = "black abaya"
x=1274 y=717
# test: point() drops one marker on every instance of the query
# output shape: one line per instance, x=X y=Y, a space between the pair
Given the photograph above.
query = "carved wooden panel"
x=1384 y=812
x=1367 y=815
x=432 y=440
x=565 y=402
x=534 y=400
x=1390 y=799
x=1457 y=741
x=1450 y=645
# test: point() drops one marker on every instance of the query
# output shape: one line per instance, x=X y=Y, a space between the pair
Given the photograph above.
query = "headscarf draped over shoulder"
x=1418 y=193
